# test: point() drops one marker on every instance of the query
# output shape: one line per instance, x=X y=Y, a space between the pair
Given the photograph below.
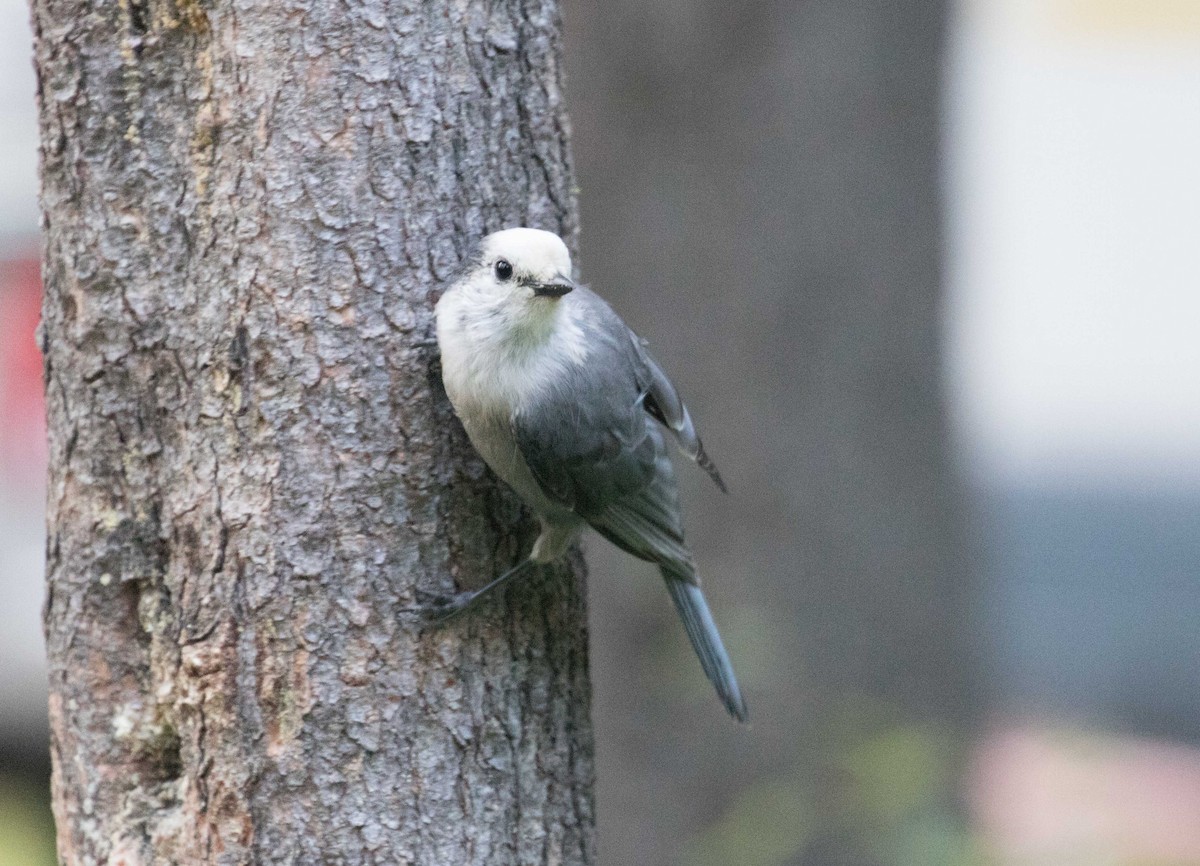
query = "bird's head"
x=510 y=292
x=525 y=267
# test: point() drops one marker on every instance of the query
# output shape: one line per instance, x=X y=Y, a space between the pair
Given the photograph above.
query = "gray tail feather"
x=698 y=621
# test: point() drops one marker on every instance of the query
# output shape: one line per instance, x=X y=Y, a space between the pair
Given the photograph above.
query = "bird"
x=566 y=405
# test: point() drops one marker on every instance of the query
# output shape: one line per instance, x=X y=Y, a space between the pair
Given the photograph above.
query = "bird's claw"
x=438 y=608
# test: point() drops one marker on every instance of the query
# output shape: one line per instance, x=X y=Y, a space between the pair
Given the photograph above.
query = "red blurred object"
x=22 y=405
x=1046 y=796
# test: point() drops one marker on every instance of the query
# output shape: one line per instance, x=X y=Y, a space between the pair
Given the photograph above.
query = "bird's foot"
x=437 y=608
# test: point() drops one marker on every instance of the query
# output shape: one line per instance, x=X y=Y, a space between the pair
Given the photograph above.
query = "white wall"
x=1074 y=133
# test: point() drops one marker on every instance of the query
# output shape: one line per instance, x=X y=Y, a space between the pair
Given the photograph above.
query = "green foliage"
x=888 y=782
x=26 y=827
x=765 y=826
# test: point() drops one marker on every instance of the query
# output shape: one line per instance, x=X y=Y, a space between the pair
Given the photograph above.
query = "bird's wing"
x=593 y=450
x=661 y=399
x=647 y=522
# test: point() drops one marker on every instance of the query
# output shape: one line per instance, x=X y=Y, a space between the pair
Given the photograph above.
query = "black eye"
x=503 y=270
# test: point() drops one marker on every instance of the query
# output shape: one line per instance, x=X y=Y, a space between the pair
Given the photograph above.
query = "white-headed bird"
x=565 y=404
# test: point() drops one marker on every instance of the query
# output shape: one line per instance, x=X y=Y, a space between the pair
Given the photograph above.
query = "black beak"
x=556 y=288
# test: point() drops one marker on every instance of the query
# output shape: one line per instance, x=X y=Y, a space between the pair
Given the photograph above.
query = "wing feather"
x=662 y=401
x=595 y=449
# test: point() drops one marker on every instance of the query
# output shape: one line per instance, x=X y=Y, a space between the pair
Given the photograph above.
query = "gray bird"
x=565 y=404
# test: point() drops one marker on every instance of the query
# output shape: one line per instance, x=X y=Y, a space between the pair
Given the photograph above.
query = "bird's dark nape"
x=702 y=631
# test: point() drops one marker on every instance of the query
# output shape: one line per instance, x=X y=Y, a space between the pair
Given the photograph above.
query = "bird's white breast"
x=491 y=366
x=490 y=376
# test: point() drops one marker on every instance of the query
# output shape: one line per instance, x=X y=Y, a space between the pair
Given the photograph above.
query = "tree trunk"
x=249 y=208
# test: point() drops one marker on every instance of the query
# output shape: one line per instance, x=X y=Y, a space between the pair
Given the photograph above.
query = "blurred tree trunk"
x=767 y=176
x=248 y=209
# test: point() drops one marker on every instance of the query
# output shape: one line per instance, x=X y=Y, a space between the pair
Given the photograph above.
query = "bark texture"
x=249 y=207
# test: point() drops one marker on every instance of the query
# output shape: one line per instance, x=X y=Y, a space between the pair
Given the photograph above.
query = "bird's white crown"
x=533 y=253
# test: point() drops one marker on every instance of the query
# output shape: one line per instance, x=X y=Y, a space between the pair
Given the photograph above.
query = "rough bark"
x=248 y=209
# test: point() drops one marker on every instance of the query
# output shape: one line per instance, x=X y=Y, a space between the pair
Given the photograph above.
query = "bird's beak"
x=554 y=288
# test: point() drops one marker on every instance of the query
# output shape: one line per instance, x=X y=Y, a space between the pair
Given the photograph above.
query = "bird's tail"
x=698 y=621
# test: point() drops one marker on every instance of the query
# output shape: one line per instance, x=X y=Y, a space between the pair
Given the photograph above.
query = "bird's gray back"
x=595 y=450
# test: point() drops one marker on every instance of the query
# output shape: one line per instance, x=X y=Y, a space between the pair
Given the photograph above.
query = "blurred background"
x=929 y=276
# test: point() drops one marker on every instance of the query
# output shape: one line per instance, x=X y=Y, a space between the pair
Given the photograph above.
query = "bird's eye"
x=504 y=270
